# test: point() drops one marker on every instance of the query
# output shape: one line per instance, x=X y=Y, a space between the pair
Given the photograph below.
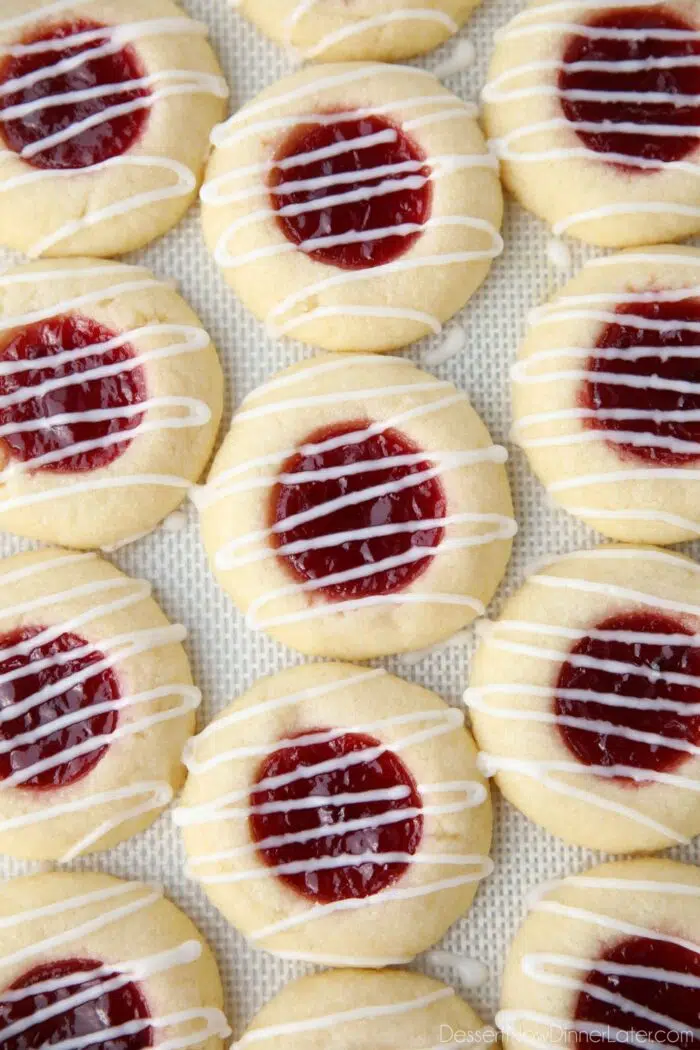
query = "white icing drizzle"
x=105 y=597
x=460 y=59
x=545 y=967
x=481 y=698
x=407 y=175
x=159 y=413
x=254 y=546
x=545 y=367
x=235 y=806
x=539 y=77
x=199 y=1024
x=179 y=180
x=471 y=972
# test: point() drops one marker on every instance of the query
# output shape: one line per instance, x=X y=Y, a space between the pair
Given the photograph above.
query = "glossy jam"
x=422 y=501
x=99 y=688
x=601 y=748
x=122 y=388
x=673 y=80
x=303 y=216
x=95 y=143
x=680 y=1004
x=125 y=1005
x=378 y=771
x=606 y=395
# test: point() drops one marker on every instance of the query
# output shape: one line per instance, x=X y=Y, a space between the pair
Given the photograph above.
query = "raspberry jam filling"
x=122 y=1007
x=91 y=125
x=676 y=1001
x=386 y=525
x=658 y=660
x=30 y=669
x=682 y=368
x=88 y=442
x=346 y=764
x=653 y=73
x=339 y=190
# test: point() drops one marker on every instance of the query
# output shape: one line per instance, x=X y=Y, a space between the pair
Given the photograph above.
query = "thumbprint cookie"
x=353 y=206
x=96 y=705
x=335 y=813
x=93 y=104
x=606 y=395
x=608 y=957
x=394 y=1008
x=585 y=698
x=357 y=508
x=89 y=960
x=110 y=400
x=380 y=30
x=594 y=110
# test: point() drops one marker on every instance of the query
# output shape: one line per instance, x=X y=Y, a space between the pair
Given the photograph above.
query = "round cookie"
x=585 y=698
x=335 y=814
x=380 y=30
x=101 y=173
x=353 y=206
x=96 y=705
x=594 y=111
x=365 y=1010
x=606 y=395
x=110 y=400
x=393 y=461
x=610 y=956
x=86 y=954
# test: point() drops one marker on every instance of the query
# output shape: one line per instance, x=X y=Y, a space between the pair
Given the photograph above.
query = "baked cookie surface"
x=594 y=110
x=334 y=813
x=110 y=399
x=606 y=395
x=358 y=508
x=96 y=705
x=85 y=170
x=585 y=698
x=85 y=954
x=353 y=206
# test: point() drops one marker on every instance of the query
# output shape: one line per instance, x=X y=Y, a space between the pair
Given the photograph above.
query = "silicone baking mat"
x=227 y=657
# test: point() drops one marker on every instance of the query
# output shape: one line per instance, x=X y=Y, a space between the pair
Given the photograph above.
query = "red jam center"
x=340 y=204
x=80 y=131
x=678 y=1002
x=385 y=525
x=123 y=1005
x=657 y=660
x=652 y=74
x=365 y=827
x=44 y=666
x=664 y=368
x=119 y=389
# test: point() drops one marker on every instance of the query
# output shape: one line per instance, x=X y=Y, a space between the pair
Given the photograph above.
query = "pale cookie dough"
x=364 y=1011
x=556 y=87
x=140 y=966
x=116 y=170
x=588 y=728
x=78 y=636
x=261 y=835
x=577 y=956
x=335 y=274
x=285 y=481
x=65 y=475
x=610 y=423
x=335 y=31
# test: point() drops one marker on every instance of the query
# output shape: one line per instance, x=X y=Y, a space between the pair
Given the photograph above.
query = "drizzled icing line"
x=254 y=546
x=105 y=597
x=211 y=1022
x=162 y=85
x=539 y=966
x=395 y=178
